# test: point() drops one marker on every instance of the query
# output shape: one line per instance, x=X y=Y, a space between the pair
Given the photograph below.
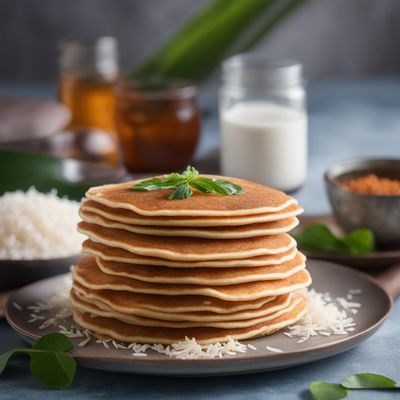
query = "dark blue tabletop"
x=347 y=118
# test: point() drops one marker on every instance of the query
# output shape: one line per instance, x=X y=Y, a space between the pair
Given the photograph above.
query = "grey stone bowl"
x=354 y=210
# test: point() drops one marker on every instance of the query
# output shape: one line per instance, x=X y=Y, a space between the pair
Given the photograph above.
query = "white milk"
x=265 y=143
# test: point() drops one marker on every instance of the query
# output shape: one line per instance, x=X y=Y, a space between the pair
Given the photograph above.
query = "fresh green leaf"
x=190 y=173
x=327 y=391
x=4 y=360
x=182 y=183
x=216 y=32
x=49 y=364
x=156 y=184
x=54 y=342
x=45 y=173
x=359 y=241
x=216 y=186
x=181 y=192
x=54 y=369
x=369 y=381
x=318 y=237
x=229 y=187
x=207 y=185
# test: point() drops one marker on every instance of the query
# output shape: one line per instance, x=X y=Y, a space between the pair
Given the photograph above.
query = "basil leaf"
x=181 y=182
x=359 y=241
x=53 y=341
x=230 y=187
x=54 y=369
x=207 y=185
x=368 y=381
x=154 y=184
x=327 y=391
x=318 y=237
x=190 y=173
x=181 y=192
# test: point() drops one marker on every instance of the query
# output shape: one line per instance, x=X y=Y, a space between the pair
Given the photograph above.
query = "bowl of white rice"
x=38 y=236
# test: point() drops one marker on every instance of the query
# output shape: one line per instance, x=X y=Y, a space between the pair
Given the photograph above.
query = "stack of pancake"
x=209 y=267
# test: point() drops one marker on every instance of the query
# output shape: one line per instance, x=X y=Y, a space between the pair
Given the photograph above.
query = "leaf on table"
x=54 y=342
x=327 y=391
x=359 y=241
x=49 y=364
x=369 y=381
x=53 y=369
x=318 y=237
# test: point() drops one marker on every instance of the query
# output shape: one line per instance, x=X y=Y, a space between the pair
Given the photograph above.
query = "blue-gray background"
x=330 y=37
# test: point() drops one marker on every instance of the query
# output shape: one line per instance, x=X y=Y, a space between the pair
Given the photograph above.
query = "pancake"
x=202 y=276
x=124 y=332
x=115 y=254
x=130 y=217
x=257 y=199
x=187 y=249
x=102 y=310
x=88 y=274
x=125 y=303
x=175 y=308
x=215 y=232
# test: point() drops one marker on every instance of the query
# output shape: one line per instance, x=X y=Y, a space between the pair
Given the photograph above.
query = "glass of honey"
x=158 y=123
x=88 y=72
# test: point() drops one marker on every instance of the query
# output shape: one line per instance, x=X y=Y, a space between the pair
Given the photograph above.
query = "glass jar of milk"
x=263 y=121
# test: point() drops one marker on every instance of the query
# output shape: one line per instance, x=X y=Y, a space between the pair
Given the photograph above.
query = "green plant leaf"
x=207 y=185
x=49 y=364
x=19 y=170
x=4 y=359
x=359 y=241
x=181 y=192
x=189 y=173
x=181 y=184
x=54 y=342
x=230 y=188
x=217 y=186
x=157 y=183
x=318 y=237
x=369 y=381
x=201 y=44
x=54 y=369
x=327 y=391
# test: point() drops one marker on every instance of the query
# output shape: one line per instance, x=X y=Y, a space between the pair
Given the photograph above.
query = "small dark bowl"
x=17 y=273
x=354 y=210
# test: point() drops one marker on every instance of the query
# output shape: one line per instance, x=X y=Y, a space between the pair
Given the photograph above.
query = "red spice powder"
x=373 y=184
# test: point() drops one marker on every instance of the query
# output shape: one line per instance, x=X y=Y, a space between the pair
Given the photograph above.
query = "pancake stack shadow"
x=209 y=267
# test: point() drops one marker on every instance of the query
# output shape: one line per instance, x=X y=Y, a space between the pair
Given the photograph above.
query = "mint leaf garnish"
x=182 y=185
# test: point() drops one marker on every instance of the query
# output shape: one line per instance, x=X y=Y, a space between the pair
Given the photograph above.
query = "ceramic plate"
x=327 y=277
x=375 y=260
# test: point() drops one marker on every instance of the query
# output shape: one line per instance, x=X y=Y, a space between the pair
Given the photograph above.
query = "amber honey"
x=158 y=127
x=91 y=102
x=88 y=72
